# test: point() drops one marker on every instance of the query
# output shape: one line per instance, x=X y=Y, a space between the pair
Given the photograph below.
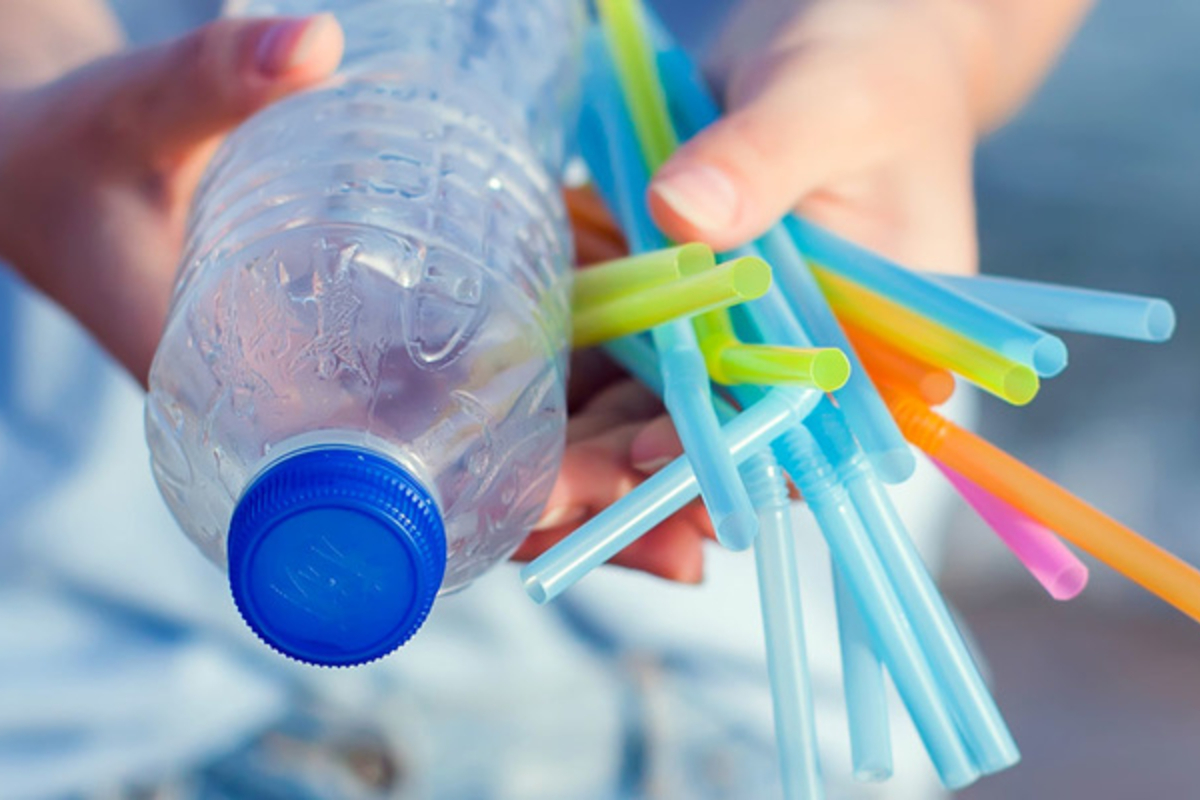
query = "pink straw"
x=1037 y=547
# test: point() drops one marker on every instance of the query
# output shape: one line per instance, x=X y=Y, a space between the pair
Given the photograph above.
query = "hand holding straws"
x=912 y=332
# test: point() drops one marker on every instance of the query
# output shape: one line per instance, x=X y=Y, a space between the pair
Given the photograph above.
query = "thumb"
x=161 y=102
x=794 y=124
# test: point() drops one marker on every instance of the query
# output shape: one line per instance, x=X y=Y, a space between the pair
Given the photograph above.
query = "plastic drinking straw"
x=637 y=357
x=775 y=560
x=659 y=496
x=979 y=720
x=1010 y=337
x=944 y=746
x=638 y=272
x=889 y=620
x=1045 y=556
x=732 y=282
x=887 y=364
x=858 y=398
x=692 y=109
x=848 y=541
x=927 y=340
x=621 y=21
x=1068 y=308
x=730 y=361
x=695 y=109
x=733 y=361
x=684 y=375
x=1144 y=563
x=866 y=695
x=875 y=594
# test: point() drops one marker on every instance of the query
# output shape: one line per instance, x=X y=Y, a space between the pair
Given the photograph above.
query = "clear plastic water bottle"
x=359 y=398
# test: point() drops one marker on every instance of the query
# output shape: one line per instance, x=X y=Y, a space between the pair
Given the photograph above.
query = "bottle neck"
x=340 y=437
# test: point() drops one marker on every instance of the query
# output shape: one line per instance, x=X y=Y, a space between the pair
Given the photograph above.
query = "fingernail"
x=290 y=43
x=702 y=195
x=652 y=465
x=555 y=517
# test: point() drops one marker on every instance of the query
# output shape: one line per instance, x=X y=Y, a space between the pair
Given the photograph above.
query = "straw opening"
x=830 y=370
x=1160 y=321
x=1068 y=583
x=536 y=589
x=1049 y=357
x=751 y=277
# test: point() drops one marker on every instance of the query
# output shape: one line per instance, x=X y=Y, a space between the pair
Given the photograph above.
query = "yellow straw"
x=927 y=340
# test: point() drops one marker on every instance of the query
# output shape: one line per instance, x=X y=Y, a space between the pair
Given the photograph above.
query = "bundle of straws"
x=819 y=368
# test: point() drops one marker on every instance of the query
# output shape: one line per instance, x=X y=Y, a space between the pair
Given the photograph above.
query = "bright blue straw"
x=866 y=695
x=685 y=375
x=659 y=496
x=1043 y=352
x=778 y=592
x=983 y=728
x=1069 y=308
x=695 y=109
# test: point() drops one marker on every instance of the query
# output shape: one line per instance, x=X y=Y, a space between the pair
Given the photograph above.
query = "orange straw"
x=1143 y=562
x=898 y=369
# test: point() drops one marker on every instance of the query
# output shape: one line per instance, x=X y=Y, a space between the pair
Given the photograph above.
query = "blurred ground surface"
x=1099 y=183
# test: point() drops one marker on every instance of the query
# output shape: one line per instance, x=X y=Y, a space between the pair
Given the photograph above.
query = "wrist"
x=970 y=28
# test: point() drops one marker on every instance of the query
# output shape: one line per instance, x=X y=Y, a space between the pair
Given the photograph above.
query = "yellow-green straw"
x=604 y=282
x=733 y=282
x=638 y=75
x=730 y=361
x=824 y=368
x=927 y=340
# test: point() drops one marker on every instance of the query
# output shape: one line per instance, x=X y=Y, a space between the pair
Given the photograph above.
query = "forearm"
x=42 y=39
x=1008 y=47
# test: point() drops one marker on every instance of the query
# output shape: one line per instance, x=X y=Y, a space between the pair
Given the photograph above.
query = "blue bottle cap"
x=335 y=555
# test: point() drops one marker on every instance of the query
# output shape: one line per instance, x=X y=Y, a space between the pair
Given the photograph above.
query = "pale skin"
x=863 y=114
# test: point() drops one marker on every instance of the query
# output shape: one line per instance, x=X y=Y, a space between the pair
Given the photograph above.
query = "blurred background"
x=1098 y=184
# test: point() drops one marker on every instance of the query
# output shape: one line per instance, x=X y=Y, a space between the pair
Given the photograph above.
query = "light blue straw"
x=866 y=695
x=1069 y=308
x=1043 y=352
x=783 y=630
x=869 y=729
x=983 y=728
x=684 y=373
x=659 y=496
x=872 y=422
x=695 y=109
x=872 y=588
x=778 y=592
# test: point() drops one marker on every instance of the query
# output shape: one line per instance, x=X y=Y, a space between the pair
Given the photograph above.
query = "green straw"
x=638 y=76
x=604 y=282
x=728 y=359
x=824 y=368
x=731 y=362
x=732 y=282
